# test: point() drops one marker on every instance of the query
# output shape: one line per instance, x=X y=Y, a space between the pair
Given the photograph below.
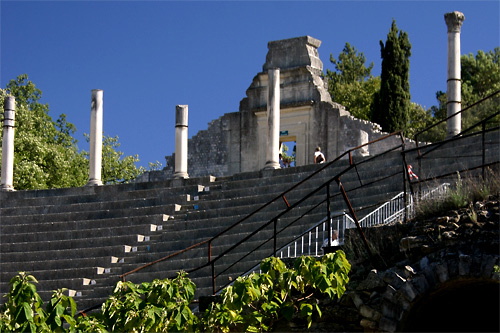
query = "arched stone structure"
x=433 y=274
x=409 y=293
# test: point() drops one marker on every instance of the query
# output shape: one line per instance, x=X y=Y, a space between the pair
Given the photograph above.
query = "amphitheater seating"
x=84 y=238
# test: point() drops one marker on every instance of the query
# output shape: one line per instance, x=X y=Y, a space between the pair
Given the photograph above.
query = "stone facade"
x=236 y=142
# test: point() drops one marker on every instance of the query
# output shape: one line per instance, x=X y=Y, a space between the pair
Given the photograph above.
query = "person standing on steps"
x=282 y=163
x=319 y=158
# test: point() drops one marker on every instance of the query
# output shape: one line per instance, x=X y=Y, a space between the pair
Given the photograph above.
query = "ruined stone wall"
x=236 y=142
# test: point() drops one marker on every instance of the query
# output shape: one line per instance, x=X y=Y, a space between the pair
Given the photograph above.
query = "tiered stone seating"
x=85 y=238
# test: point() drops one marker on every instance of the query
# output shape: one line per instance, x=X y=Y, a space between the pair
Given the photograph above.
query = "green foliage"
x=462 y=194
x=117 y=169
x=156 y=166
x=258 y=301
x=351 y=84
x=288 y=159
x=253 y=303
x=162 y=305
x=419 y=120
x=23 y=311
x=391 y=105
x=45 y=153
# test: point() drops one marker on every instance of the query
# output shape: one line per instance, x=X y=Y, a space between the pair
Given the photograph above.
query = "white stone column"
x=273 y=119
x=9 y=108
x=95 y=138
x=454 y=22
x=181 y=141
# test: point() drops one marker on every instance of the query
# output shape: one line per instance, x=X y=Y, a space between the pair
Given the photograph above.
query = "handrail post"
x=351 y=210
x=483 y=148
x=405 y=177
x=274 y=236
x=213 y=278
x=329 y=215
x=209 y=250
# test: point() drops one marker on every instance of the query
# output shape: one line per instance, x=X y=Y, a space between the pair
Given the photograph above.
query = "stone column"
x=95 y=138
x=9 y=108
x=273 y=119
x=454 y=22
x=181 y=141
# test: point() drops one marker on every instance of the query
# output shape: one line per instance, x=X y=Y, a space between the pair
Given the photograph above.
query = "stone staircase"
x=85 y=238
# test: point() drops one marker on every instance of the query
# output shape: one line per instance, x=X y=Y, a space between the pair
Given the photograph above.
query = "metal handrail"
x=211 y=261
x=282 y=196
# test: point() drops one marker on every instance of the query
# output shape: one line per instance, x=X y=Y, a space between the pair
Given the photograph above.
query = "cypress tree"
x=391 y=105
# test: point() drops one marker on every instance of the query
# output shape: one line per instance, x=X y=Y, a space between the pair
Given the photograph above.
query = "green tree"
x=391 y=105
x=351 y=84
x=117 y=169
x=46 y=154
x=419 y=119
x=23 y=310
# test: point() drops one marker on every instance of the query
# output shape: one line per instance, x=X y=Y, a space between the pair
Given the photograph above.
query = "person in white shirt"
x=319 y=158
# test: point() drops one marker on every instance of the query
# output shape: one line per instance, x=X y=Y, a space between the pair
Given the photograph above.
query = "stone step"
x=89 y=215
x=155 y=221
x=67 y=203
x=285 y=181
x=107 y=191
x=105 y=251
x=80 y=244
x=31 y=234
x=54 y=264
x=50 y=208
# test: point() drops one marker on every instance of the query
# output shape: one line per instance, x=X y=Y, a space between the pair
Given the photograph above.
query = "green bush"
x=253 y=303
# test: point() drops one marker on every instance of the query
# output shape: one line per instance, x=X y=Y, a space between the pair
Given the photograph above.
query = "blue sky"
x=149 y=56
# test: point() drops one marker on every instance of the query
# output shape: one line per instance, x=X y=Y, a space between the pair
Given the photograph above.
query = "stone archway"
x=454 y=293
x=461 y=305
x=443 y=276
x=440 y=274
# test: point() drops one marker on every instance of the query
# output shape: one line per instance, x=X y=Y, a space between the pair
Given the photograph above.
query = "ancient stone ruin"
x=236 y=142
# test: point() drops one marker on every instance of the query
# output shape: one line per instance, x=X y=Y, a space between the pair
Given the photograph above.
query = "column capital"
x=181 y=115
x=9 y=103
x=454 y=21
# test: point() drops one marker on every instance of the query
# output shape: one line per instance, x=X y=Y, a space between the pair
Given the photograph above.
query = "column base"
x=272 y=165
x=94 y=182
x=183 y=175
x=7 y=188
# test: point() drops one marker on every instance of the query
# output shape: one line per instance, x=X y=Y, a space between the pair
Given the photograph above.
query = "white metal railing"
x=315 y=238
x=394 y=209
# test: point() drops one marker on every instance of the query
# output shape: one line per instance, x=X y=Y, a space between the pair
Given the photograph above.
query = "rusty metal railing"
x=211 y=261
x=288 y=206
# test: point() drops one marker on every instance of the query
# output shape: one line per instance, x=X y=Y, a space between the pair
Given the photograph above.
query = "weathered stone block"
x=368 y=324
x=369 y=313
x=441 y=271
x=388 y=325
x=420 y=284
x=464 y=263
x=372 y=281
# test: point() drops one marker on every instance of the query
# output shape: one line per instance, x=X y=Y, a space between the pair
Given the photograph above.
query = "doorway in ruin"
x=288 y=149
x=458 y=306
